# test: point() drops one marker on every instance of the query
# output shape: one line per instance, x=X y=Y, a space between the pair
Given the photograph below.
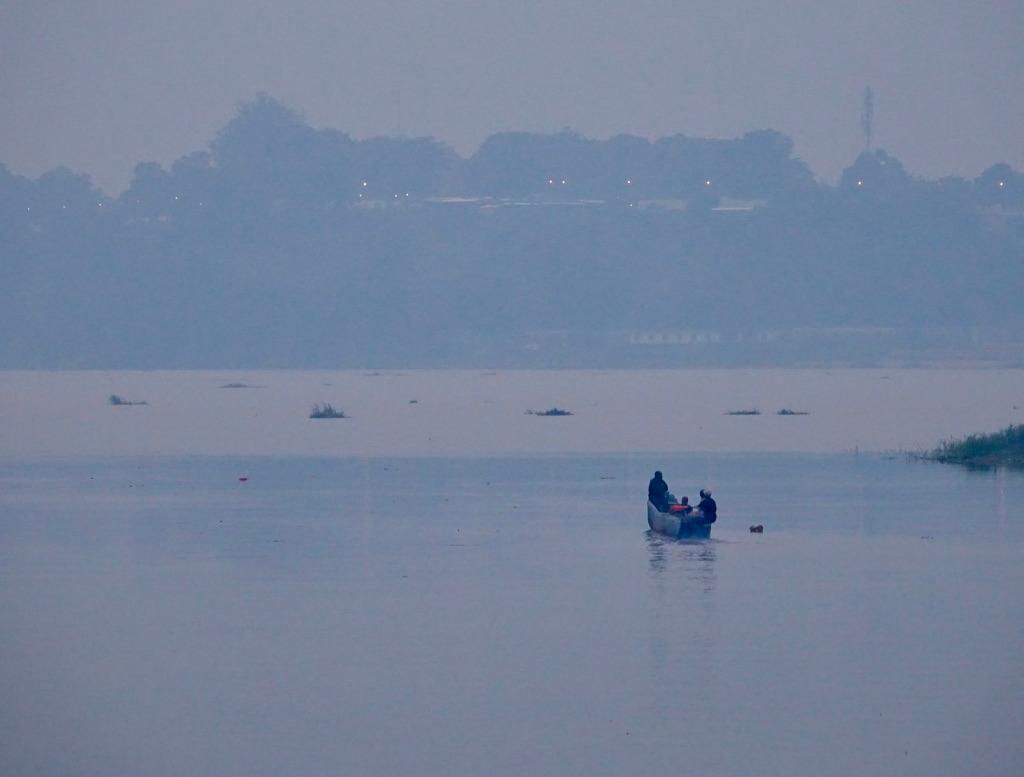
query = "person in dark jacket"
x=707 y=506
x=657 y=491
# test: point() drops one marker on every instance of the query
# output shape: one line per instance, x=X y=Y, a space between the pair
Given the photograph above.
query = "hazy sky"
x=99 y=85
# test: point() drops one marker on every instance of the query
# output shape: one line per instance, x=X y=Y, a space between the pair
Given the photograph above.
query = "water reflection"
x=657 y=557
x=683 y=633
x=692 y=560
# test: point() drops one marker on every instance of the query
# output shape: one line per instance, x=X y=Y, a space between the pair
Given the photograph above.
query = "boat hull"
x=688 y=527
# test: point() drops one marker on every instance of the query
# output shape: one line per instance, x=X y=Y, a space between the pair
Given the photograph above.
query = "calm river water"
x=465 y=615
x=508 y=617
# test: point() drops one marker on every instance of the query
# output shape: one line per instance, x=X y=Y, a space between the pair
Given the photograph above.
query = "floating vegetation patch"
x=119 y=401
x=239 y=386
x=554 y=411
x=754 y=411
x=787 y=411
x=326 y=410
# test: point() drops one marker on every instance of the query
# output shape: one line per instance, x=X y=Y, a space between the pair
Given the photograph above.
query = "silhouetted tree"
x=261 y=251
x=1000 y=185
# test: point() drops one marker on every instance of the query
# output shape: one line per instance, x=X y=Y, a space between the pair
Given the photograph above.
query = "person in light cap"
x=707 y=506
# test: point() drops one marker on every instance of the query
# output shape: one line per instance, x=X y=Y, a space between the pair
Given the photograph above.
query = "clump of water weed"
x=326 y=410
x=554 y=411
x=752 y=411
x=119 y=401
x=787 y=411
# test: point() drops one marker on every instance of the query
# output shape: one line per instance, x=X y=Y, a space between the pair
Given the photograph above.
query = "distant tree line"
x=286 y=245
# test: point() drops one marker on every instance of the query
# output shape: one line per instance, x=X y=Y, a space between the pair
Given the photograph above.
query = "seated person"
x=707 y=506
x=683 y=507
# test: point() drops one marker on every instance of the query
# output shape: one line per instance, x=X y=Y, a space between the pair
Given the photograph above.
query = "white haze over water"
x=480 y=413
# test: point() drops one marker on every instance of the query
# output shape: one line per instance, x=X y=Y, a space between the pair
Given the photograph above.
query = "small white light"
x=860 y=183
x=707 y=183
x=551 y=180
x=629 y=181
x=563 y=182
x=1002 y=183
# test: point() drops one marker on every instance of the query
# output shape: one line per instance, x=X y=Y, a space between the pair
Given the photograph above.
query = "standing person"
x=657 y=491
x=708 y=506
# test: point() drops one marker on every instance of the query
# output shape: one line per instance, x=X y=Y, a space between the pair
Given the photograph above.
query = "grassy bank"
x=1003 y=448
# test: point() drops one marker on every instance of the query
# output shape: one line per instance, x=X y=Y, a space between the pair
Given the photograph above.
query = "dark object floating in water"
x=326 y=411
x=787 y=411
x=755 y=411
x=243 y=478
x=414 y=401
x=554 y=411
x=999 y=449
x=121 y=401
x=239 y=386
x=758 y=529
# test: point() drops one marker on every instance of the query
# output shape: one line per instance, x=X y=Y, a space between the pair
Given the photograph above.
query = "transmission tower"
x=867 y=118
